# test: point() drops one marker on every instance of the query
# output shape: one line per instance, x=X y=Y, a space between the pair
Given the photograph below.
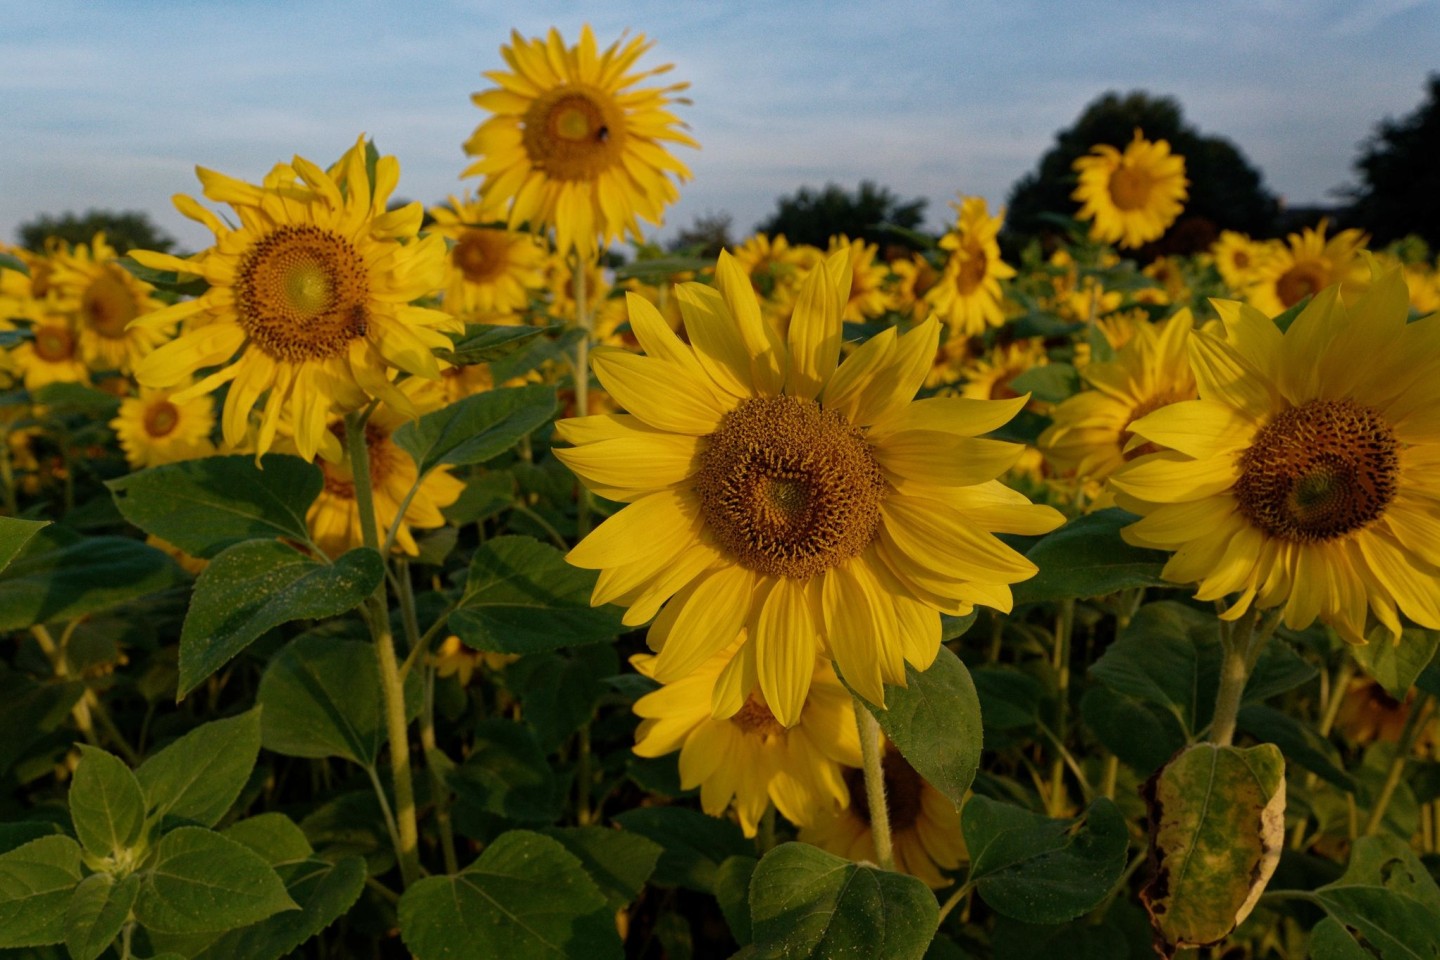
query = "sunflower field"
x=484 y=582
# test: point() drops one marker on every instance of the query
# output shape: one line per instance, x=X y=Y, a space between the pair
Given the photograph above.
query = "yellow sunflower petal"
x=786 y=636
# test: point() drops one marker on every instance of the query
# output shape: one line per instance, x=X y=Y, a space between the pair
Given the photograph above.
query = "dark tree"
x=1226 y=192
x=705 y=237
x=125 y=231
x=813 y=217
x=1399 y=169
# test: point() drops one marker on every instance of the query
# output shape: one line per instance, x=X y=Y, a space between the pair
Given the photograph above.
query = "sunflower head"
x=1131 y=196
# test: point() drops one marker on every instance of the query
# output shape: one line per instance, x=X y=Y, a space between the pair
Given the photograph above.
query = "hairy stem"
x=870 y=752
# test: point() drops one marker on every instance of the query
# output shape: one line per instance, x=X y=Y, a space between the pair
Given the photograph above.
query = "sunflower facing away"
x=574 y=144
x=809 y=503
x=1133 y=196
x=309 y=299
x=1305 y=475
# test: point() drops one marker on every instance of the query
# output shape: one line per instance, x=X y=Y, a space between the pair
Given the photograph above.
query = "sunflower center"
x=340 y=478
x=903 y=788
x=755 y=717
x=54 y=344
x=480 y=255
x=161 y=419
x=1130 y=187
x=573 y=133
x=1305 y=279
x=788 y=488
x=302 y=293
x=108 y=305
x=972 y=271
x=1318 y=471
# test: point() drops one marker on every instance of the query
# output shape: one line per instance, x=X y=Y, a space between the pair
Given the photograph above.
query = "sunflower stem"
x=407 y=847
x=1242 y=644
x=1414 y=723
x=870 y=750
x=1060 y=662
x=7 y=477
x=585 y=323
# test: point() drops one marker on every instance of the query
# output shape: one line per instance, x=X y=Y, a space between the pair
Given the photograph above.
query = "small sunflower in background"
x=1131 y=196
x=575 y=143
x=867 y=297
x=51 y=354
x=748 y=759
x=968 y=296
x=1304 y=476
x=1237 y=258
x=774 y=491
x=492 y=271
x=309 y=299
x=1305 y=264
x=155 y=429
x=86 y=282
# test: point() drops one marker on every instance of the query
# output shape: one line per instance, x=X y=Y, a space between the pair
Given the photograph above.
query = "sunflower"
x=774 y=266
x=334 y=517
x=1305 y=474
x=491 y=271
x=454 y=659
x=749 y=759
x=1303 y=266
x=988 y=377
x=968 y=296
x=1090 y=433
x=867 y=297
x=574 y=144
x=51 y=354
x=924 y=824
x=775 y=491
x=1237 y=257
x=154 y=429
x=87 y=283
x=1133 y=196
x=915 y=277
x=1423 y=279
x=309 y=299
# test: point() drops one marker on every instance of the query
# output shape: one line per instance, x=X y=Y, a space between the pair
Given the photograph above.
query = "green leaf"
x=36 y=881
x=484 y=343
x=76 y=399
x=617 y=861
x=934 y=720
x=1087 y=558
x=1329 y=940
x=201 y=882
x=203 y=506
x=522 y=597
x=255 y=586
x=274 y=836
x=1386 y=903
x=1039 y=870
x=97 y=910
x=14 y=534
x=1395 y=665
x=324 y=891
x=198 y=777
x=506 y=774
x=526 y=898
x=322 y=698
x=732 y=892
x=30 y=709
x=477 y=428
x=807 y=903
x=106 y=804
x=558 y=692
x=1051 y=382
x=1217 y=817
x=1299 y=742
x=695 y=845
x=48 y=582
x=1142 y=735
x=536 y=353
x=1009 y=699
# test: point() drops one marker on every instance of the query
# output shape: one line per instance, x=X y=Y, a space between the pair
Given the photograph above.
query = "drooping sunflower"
x=749 y=759
x=309 y=299
x=87 y=283
x=968 y=296
x=1305 y=474
x=1305 y=264
x=806 y=502
x=1131 y=197
x=573 y=143
x=924 y=824
x=154 y=429
x=491 y=271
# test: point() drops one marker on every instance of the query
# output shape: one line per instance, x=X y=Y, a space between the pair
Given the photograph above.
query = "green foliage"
x=36 y=884
x=1087 y=558
x=814 y=216
x=1384 y=906
x=1399 y=189
x=124 y=230
x=106 y=804
x=201 y=881
x=477 y=428
x=14 y=534
x=98 y=909
x=198 y=777
x=61 y=577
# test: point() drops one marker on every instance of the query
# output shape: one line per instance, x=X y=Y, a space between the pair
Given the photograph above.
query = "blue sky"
x=111 y=104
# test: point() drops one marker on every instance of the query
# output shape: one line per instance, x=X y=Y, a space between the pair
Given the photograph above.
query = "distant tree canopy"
x=813 y=217
x=1399 y=169
x=124 y=230
x=706 y=236
x=1226 y=192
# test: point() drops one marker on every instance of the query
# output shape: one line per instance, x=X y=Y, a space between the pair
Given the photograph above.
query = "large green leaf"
x=36 y=880
x=506 y=775
x=1087 y=558
x=486 y=343
x=201 y=881
x=934 y=720
x=526 y=898
x=1217 y=817
x=1395 y=664
x=257 y=585
x=323 y=890
x=14 y=534
x=619 y=861
x=807 y=903
x=106 y=804
x=203 y=506
x=29 y=709
x=97 y=910
x=522 y=597
x=1386 y=902
x=198 y=777
x=1040 y=870
x=695 y=845
x=49 y=581
x=477 y=428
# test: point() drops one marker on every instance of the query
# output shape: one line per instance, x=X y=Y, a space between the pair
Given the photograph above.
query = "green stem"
x=1060 y=662
x=954 y=899
x=585 y=322
x=439 y=790
x=89 y=708
x=1414 y=723
x=870 y=750
x=385 y=810
x=1242 y=645
x=583 y=777
x=767 y=830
